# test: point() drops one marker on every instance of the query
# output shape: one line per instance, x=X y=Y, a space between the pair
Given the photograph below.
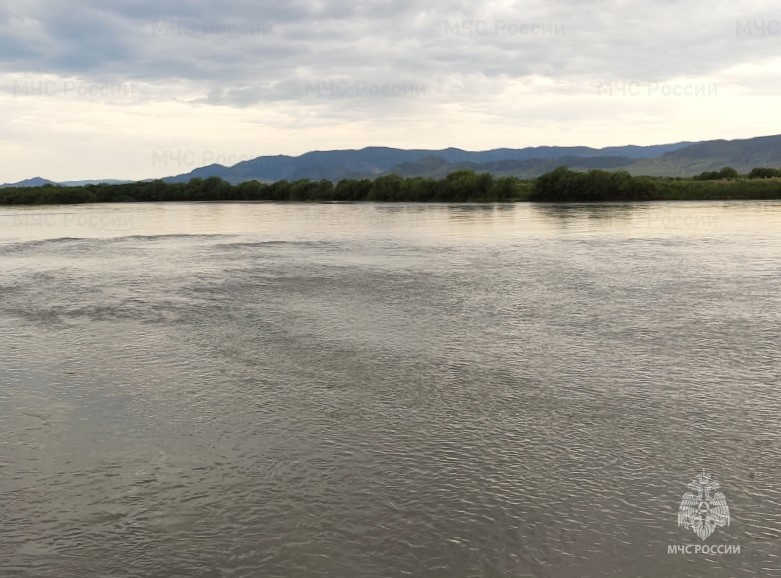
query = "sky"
x=137 y=89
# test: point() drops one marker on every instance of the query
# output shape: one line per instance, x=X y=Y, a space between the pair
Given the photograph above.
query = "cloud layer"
x=83 y=82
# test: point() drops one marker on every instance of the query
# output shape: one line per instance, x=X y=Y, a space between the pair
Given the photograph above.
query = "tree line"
x=459 y=186
x=564 y=185
x=559 y=185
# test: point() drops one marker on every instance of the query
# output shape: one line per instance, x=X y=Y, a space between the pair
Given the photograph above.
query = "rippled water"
x=387 y=390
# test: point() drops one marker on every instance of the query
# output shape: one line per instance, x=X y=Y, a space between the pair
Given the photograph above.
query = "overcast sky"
x=142 y=88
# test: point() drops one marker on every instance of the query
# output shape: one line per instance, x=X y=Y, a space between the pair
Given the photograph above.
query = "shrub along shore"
x=561 y=185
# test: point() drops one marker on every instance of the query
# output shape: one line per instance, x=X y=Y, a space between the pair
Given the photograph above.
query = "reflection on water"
x=266 y=389
x=575 y=215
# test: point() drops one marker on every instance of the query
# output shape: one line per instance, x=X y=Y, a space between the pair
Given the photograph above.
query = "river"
x=379 y=390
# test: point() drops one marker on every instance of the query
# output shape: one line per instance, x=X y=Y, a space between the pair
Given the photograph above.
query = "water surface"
x=377 y=390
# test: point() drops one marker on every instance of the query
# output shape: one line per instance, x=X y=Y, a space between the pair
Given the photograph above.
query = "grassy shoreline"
x=561 y=185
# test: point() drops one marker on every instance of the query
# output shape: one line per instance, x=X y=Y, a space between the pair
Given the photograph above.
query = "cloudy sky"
x=142 y=88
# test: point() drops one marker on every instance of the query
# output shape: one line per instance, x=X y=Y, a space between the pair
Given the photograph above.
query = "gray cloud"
x=319 y=73
x=233 y=51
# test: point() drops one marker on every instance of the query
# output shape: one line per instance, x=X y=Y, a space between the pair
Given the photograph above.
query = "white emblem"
x=701 y=511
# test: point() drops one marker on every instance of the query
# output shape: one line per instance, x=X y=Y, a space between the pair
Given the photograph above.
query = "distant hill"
x=40 y=181
x=436 y=167
x=677 y=159
x=742 y=155
x=371 y=162
x=33 y=182
x=93 y=182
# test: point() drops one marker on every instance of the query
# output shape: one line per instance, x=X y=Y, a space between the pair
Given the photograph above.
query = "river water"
x=377 y=390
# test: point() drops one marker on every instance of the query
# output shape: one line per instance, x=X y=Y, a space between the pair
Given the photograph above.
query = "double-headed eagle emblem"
x=701 y=511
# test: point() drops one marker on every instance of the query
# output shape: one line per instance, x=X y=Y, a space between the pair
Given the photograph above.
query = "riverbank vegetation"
x=561 y=185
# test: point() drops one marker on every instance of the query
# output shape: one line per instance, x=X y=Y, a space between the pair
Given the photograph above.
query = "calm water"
x=230 y=390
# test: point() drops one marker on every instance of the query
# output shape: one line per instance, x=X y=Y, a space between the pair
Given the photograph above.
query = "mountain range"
x=372 y=162
x=678 y=159
x=40 y=182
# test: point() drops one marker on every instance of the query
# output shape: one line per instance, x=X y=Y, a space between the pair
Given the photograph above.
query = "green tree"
x=386 y=188
x=728 y=173
x=764 y=173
